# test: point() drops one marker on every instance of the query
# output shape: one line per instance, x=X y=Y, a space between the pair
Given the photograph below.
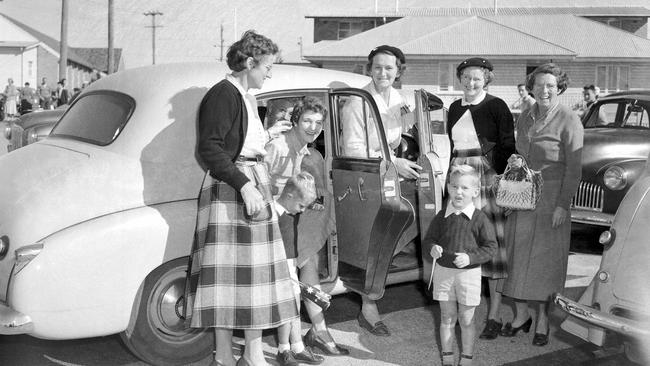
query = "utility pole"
x=153 y=27
x=111 y=51
x=221 y=42
x=63 y=45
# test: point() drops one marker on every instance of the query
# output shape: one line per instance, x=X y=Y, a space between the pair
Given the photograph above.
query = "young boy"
x=299 y=192
x=461 y=239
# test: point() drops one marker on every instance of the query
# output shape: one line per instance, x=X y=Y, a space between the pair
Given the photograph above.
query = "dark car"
x=31 y=127
x=616 y=145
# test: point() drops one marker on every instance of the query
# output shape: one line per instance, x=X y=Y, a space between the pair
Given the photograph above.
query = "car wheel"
x=157 y=333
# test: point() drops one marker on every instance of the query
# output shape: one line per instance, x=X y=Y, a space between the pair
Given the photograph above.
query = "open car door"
x=370 y=212
x=433 y=141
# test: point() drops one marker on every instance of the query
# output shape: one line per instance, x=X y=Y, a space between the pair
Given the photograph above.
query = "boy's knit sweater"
x=457 y=233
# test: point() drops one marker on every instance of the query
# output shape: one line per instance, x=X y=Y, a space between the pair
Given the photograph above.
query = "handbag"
x=519 y=187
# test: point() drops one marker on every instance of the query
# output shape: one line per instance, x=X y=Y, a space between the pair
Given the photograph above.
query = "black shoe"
x=510 y=331
x=379 y=329
x=308 y=357
x=491 y=330
x=316 y=342
x=541 y=339
x=286 y=359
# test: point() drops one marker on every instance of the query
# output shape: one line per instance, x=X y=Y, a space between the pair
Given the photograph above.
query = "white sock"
x=298 y=347
x=283 y=347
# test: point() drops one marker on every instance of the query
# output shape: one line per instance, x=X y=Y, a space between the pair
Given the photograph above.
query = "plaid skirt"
x=486 y=201
x=239 y=277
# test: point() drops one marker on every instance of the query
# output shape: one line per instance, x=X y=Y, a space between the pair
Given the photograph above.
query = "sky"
x=190 y=30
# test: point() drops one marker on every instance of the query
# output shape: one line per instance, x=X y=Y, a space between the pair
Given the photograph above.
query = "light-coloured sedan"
x=97 y=219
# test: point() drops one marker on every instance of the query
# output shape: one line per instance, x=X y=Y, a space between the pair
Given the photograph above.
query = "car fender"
x=84 y=281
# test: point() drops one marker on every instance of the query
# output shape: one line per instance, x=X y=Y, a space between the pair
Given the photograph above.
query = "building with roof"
x=27 y=55
x=591 y=52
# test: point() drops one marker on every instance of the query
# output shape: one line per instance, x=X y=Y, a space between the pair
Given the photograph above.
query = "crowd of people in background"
x=17 y=100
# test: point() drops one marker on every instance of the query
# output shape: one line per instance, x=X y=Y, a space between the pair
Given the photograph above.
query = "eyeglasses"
x=547 y=86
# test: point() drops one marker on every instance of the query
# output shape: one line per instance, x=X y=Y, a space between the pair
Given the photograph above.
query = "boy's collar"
x=468 y=211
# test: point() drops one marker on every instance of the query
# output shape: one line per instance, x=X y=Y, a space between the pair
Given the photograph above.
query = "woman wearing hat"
x=481 y=131
x=385 y=65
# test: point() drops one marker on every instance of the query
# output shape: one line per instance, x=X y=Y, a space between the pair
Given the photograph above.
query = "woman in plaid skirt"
x=481 y=130
x=239 y=278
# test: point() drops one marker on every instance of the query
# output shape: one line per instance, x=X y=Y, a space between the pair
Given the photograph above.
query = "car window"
x=635 y=116
x=358 y=136
x=603 y=115
x=97 y=117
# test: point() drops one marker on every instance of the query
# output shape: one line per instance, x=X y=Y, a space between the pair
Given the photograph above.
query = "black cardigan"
x=223 y=121
x=494 y=126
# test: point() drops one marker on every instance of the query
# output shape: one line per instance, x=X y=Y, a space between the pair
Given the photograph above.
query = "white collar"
x=279 y=208
x=468 y=210
x=476 y=101
x=233 y=80
x=394 y=99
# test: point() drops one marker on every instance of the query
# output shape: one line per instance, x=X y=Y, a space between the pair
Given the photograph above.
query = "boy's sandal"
x=447 y=359
x=465 y=360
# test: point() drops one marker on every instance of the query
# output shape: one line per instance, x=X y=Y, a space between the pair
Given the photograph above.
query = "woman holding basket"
x=549 y=137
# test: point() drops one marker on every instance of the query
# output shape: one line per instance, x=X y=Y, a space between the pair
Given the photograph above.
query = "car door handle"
x=359 y=185
x=345 y=194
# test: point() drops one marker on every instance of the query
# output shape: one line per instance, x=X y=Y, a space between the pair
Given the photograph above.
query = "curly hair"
x=549 y=68
x=307 y=104
x=252 y=45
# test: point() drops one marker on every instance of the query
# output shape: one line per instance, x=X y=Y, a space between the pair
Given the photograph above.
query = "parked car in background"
x=31 y=127
x=615 y=308
x=616 y=146
x=104 y=248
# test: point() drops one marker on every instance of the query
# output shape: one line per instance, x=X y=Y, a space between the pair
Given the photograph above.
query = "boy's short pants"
x=457 y=284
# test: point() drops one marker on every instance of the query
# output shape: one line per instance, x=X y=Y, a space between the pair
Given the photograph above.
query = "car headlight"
x=8 y=132
x=25 y=255
x=615 y=178
x=32 y=136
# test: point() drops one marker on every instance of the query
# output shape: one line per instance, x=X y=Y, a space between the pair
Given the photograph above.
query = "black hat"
x=390 y=49
x=474 y=61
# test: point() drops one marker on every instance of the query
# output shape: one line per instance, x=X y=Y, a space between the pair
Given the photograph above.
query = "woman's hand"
x=253 y=199
x=278 y=128
x=515 y=161
x=406 y=168
x=559 y=215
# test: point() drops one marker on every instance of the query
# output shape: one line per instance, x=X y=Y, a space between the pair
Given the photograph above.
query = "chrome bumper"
x=628 y=327
x=13 y=322
x=591 y=217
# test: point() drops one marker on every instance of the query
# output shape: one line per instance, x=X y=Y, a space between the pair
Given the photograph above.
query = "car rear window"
x=97 y=117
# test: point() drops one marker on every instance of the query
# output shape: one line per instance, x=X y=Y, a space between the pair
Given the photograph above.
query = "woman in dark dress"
x=481 y=130
x=239 y=278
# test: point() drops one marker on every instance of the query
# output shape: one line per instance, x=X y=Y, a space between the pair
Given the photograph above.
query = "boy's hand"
x=462 y=260
x=436 y=251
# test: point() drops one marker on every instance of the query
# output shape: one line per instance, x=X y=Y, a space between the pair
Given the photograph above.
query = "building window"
x=447 y=76
x=30 y=68
x=611 y=78
x=348 y=29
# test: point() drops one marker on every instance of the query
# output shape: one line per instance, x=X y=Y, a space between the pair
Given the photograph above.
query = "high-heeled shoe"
x=447 y=359
x=510 y=331
x=379 y=329
x=541 y=339
x=313 y=340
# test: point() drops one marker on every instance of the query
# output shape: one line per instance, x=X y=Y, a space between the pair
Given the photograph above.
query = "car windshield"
x=624 y=113
x=96 y=118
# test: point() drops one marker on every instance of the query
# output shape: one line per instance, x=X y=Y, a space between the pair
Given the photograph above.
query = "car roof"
x=630 y=94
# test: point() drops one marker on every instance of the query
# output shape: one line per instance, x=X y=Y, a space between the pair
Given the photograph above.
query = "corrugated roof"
x=627 y=11
x=543 y=35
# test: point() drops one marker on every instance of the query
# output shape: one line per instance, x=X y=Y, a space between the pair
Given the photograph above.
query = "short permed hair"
x=252 y=45
x=401 y=68
x=301 y=185
x=549 y=68
x=461 y=170
x=307 y=104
